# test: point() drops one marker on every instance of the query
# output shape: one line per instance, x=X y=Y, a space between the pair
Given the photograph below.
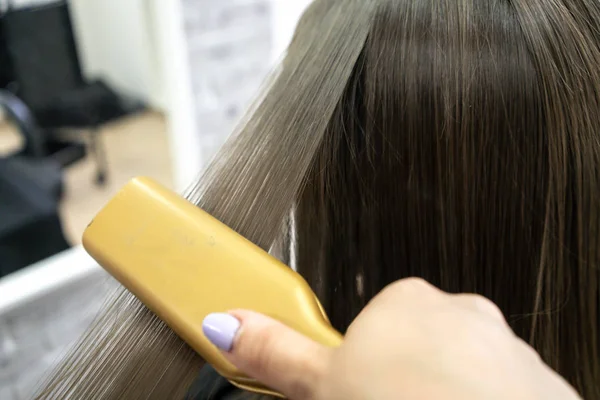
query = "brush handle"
x=184 y=264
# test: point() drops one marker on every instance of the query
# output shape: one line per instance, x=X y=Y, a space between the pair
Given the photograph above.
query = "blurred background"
x=92 y=94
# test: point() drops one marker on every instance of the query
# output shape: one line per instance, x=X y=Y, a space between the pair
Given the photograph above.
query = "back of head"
x=465 y=151
x=453 y=140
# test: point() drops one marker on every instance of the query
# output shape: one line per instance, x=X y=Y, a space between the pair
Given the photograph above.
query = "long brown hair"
x=455 y=140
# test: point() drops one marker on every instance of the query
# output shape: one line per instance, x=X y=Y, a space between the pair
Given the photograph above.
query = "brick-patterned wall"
x=229 y=50
x=34 y=335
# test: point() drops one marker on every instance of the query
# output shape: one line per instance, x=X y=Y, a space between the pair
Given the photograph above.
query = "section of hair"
x=251 y=186
x=454 y=140
x=465 y=150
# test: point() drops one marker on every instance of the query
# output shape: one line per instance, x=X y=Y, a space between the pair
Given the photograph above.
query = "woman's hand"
x=412 y=341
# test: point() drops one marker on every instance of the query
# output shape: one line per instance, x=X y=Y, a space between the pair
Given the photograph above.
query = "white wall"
x=21 y=3
x=116 y=42
x=183 y=133
x=190 y=133
x=285 y=17
x=120 y=40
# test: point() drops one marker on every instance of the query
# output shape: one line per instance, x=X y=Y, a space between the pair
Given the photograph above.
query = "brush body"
x=183 y=264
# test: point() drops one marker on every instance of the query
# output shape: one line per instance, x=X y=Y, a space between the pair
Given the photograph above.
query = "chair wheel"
x=100 y=178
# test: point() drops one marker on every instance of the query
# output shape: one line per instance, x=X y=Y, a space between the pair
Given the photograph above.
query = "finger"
x=480 y=304
x=417 y=288
x=270 y=352
x=407 y=292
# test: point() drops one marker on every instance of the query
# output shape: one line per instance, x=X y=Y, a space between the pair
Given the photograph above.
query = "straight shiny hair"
x=453 y=140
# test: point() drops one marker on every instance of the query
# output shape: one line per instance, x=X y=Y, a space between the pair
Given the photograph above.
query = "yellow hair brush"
x=183 y=264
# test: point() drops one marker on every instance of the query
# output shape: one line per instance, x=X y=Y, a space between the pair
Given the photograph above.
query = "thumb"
x=270 y=352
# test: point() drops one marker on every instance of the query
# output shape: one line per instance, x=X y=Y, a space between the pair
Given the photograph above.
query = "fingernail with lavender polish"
x=220 y=329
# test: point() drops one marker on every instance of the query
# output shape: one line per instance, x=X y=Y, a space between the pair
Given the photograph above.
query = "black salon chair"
x=44 y=72
x=30 y=191
x=30 y=226
x=42 y=157
x=31 y=187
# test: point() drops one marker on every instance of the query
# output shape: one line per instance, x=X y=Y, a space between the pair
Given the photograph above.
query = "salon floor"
x=136 y=145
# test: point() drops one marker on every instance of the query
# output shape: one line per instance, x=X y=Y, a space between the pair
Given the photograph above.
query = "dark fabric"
x=44 y=173
x=212 y=386
x=89 y=105
x=30 y=227
x=6 y=73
